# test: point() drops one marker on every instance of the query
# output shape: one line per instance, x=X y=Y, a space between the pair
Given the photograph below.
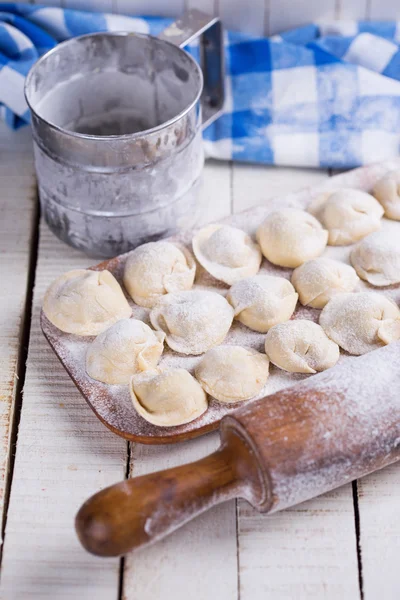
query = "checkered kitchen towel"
x=322 y=95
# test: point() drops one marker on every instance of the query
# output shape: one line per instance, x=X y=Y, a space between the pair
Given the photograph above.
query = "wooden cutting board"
x=112 y=403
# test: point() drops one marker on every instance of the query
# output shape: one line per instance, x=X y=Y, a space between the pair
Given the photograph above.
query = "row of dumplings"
x=160 y=276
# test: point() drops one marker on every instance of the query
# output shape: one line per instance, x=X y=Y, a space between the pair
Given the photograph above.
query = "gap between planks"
x=17 y=240
x=308 y=551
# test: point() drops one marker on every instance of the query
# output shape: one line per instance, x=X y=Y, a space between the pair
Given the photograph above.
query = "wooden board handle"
x=138 y=511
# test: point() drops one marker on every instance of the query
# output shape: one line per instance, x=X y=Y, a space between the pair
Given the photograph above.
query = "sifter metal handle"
x=184 y=30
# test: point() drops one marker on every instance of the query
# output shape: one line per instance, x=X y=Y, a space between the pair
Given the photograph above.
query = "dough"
x=386 y=191
x=168 y=398
x=158 y=268
x=85 y=302
x=232 y=373
x=263 y=301
x=288 y=237
x=229 y=254
x=347 y=214
x=318 y=280
x=300 y=347
x=377 y=258
x=127 y=347
x=193 y=321
x=361 y=322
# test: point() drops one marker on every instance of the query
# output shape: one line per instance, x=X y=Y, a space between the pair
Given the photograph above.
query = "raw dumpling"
x=318 y=280
x=386 y=191
x=229 y=254
x=158 y=268
x=85 y=302
x=288 y=237
x=263 y=301
x=193 y=321
x=377 y=258
x=347 y=214
x=232 y=373
x=300 y=347
x=361 y=322
x=168 y=398
x=127 y=347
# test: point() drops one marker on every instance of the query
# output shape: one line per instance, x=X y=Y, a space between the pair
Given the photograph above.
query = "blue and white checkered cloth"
x=325 y=95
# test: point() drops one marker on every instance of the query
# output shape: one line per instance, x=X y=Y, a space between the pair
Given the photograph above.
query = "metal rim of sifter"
x=181 y=32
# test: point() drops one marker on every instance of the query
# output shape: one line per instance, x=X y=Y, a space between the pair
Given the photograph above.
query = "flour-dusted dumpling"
x=300 y=346
x=193 y=321
x=168 y=398
x=127 y=347
x=288 y=237
x=377 y=258
x=233 y=373
x=348 y=215
x=229 y=254
x=158 y=268
x=318 y=280
x=361 y=322
x=386 y=191
x=85 y=302
x=263 y=301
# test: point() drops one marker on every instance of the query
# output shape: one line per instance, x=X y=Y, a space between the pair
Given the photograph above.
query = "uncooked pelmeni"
x=168 y=398
x=288 y=237
x=232 y=373
x=348 y=215
x=127 y=347
x=85 y=302
x=158 y=268
x=318 y=280
x=262 y=301
x=377 y=258
x=227 y=253
x=361 y=322
x=300 y=347
x=386 y=191
x=193 y=321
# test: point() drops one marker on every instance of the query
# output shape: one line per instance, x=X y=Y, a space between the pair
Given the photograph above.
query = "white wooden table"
x=343 y=546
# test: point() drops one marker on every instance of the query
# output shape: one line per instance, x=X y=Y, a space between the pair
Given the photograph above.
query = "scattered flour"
x=112 y=403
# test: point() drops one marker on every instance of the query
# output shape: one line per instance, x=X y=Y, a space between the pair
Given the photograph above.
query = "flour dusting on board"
x=112 y=403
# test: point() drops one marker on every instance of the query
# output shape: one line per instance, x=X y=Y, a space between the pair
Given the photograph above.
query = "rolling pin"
x=276 y=452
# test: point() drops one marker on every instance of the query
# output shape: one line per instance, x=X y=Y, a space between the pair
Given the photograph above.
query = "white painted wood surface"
x=63 y=455
x=257 y=17
x=17 y=221
x=317 y=537
x=207 y=545
x=379 y=503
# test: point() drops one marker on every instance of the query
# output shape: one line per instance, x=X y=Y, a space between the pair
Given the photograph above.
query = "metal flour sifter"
x=117 y=121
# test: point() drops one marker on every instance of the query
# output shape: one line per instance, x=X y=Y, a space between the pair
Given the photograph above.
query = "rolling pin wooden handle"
x=138 y=511
x=276 y=452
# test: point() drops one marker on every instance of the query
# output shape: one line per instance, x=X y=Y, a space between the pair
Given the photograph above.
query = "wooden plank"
x=202 y=556
x=384 y=9
x=307 y=551
x=379 y=501
x=256 y=184
x=286 y=14
x=237 y=15
x=352 y=9
x=208 y=6
x=64 y=454
x=172 y=8
x=17 y=222
x=216 y=192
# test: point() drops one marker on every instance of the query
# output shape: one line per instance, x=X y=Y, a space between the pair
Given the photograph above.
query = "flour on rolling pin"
x=113 y=403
